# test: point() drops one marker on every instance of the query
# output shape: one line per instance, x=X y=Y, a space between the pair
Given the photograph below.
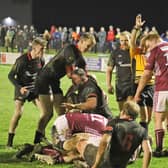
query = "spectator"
x=110 y=38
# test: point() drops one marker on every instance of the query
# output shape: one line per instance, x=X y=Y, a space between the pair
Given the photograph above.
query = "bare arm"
x=147 y=153
x=101 y=150
x=136 y=30
x=109 y=72
x=90 y=104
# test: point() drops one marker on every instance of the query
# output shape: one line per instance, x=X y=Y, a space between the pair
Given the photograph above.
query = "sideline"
x=93 y=64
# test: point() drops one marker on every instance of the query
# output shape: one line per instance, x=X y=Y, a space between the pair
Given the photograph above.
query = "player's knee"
x=80 y=146
x=17 y=115
x=47 y=115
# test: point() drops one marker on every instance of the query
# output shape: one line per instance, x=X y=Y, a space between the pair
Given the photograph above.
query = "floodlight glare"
x=8 y=21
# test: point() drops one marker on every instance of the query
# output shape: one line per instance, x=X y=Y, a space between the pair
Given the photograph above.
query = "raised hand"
x=138 y=21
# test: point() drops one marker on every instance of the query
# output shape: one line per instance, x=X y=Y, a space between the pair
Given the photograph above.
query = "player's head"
x=131 y=109
x=78 y=76
x=39 y=41
x=38 y=45
x=149 y=41
x=125 y=40
x=86 y=42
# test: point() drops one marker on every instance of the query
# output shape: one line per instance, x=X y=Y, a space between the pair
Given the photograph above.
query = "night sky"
x=98 y=13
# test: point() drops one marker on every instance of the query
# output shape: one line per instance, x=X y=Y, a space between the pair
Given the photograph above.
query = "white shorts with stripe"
x=160 y=101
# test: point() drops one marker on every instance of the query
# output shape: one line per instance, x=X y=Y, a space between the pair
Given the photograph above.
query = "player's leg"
x=57 y=100
x=160 y=103
x=146 y=105
x=46 y=104
x=88 y=148
x=46 y=114
x=14 y=121
x=159 y=117
x=60 y=130
x=75 y=146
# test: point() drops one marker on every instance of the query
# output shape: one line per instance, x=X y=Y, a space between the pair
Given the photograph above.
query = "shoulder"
x=89 y=88
x=22 y=59
x=69 y=47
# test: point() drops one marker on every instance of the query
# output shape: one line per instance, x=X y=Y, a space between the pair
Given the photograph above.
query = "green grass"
x=28 y=123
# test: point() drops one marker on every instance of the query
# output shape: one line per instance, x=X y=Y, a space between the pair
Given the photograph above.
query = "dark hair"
x=79 y=71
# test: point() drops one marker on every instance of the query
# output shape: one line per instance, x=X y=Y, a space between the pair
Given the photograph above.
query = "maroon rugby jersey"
x=157 y=60
x=85 y=122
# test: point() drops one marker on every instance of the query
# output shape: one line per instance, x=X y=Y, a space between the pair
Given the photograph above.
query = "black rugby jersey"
x=25 y=71
x=69 y=55
x=91 y=89
x=120 y=59
x=127 y=135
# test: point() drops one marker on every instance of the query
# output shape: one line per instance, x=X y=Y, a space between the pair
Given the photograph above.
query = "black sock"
x=38 y=136
x=10 y=139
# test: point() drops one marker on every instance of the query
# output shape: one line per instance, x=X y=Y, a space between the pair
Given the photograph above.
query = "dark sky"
x=96 y=13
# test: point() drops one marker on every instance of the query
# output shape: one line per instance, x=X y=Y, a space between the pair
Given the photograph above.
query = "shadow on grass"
x=8 y=159
x=8 y=155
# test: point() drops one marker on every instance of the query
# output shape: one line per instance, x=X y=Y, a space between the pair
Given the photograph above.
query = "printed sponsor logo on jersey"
x=166 y=55
x=119 y=55
x=70 y=58
x=125 y=65
x=29 y=74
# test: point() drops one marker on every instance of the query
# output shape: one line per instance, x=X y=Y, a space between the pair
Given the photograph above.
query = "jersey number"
x=127 y=142
x=166 y=55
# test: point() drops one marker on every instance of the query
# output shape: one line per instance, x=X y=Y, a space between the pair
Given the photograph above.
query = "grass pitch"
x=28 y=123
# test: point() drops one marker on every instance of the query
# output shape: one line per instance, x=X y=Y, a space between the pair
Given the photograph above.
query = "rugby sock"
x=10 y=139
x=144 y=124
x=159 y=135
x=38 y=136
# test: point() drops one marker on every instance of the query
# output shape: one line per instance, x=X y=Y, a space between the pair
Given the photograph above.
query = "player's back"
x=127 y=136
x=84 y=122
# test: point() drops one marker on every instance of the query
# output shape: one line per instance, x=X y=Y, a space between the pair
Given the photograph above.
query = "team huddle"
x=85 y=132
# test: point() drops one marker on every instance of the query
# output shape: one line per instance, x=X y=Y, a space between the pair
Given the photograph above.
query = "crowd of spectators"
x=20 y=37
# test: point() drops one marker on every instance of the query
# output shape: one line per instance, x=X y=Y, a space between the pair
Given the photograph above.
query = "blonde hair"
x=131 y=108
x=39 y=41
x=150 y=36
x=89 y=37
x=126 y=34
